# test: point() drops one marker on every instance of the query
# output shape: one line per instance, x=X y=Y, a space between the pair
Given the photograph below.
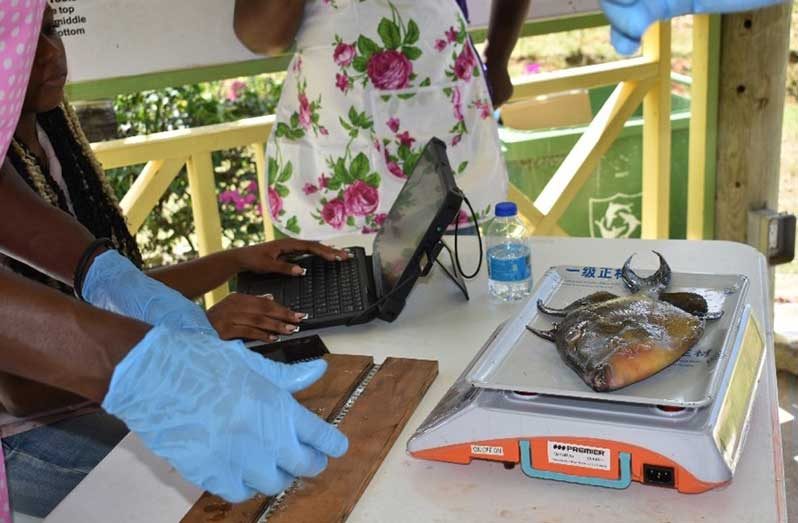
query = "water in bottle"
x=509 y=268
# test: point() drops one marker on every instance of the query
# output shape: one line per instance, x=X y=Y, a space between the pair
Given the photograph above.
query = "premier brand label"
x=579 y=455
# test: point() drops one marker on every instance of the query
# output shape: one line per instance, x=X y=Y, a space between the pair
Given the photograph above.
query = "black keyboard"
x=328 y=289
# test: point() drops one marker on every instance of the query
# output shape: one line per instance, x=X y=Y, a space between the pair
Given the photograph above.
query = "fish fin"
x=546 y=335
x=551 y=311
x=692 y=303
x=592 y=299
x=689 y=302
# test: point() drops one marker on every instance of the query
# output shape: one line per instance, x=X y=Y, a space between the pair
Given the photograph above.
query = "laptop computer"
x=364 y=287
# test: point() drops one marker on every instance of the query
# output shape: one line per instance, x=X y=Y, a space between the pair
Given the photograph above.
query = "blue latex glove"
x=630 y=18
x=113 y=283
x=211 y=409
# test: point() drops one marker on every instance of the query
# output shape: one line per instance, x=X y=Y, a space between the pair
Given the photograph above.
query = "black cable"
x=479 y=239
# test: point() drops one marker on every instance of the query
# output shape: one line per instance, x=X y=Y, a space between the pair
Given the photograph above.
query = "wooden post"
x=753 y=60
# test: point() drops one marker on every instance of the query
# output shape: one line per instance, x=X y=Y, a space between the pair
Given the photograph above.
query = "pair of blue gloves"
x=630 y=18
x=221 y=415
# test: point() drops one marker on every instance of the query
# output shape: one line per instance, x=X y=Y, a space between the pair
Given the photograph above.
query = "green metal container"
x=609 y=204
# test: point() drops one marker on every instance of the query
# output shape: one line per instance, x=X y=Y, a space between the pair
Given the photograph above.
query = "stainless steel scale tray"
x=518 y=360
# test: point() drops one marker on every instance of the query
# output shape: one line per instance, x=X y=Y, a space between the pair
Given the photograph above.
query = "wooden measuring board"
x=372 y=425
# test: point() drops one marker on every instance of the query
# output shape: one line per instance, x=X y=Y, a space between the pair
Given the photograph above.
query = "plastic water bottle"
x=509 y=268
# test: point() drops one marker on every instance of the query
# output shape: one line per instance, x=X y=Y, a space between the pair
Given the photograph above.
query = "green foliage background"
x=168 y=235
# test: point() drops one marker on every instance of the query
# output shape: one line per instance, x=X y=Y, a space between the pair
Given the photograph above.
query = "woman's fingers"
x=266 y=305
x=235 y=332
x=272 y=256
x=243 y=311
x=319 y=249
x=282 y=267
x=266 y=323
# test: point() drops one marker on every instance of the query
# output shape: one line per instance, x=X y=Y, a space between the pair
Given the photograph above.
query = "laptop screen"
x=410 y=217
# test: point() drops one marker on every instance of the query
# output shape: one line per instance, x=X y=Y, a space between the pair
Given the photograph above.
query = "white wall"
x=479 y=10
x=117 y=38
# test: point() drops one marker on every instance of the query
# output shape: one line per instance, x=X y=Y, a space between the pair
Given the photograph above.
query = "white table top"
x=132 y=485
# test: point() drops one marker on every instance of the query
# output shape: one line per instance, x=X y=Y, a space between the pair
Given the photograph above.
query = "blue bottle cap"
x=505 y=209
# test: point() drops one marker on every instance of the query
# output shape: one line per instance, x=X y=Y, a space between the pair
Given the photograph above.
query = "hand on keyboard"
x=254 y=318
x=270 y=256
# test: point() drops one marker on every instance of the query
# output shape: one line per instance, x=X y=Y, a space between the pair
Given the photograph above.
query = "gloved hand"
x=220 y=414
x=113 y=283
x=630 y=18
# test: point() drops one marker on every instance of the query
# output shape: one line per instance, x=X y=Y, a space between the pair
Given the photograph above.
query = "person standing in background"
x=370 y=83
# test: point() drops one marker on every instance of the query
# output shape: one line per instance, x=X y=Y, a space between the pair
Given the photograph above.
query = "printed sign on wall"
x=616 y=217
x=120 y=38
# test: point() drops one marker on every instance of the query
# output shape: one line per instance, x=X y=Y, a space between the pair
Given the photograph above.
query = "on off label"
x=575 y=455
x=487 y=450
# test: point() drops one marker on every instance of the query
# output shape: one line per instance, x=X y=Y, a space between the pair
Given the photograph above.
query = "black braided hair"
x=92 y=198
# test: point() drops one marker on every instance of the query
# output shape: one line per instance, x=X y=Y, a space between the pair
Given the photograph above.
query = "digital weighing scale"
x=684 y=428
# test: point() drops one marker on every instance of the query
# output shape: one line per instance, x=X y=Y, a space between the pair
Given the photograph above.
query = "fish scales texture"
x=612 y=342
x=622 y=341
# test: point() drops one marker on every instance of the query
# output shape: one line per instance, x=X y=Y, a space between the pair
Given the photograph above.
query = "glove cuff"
x=109 y=262
x=83 y=264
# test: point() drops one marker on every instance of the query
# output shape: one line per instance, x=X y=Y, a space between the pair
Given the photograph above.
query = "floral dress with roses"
x=371 y=82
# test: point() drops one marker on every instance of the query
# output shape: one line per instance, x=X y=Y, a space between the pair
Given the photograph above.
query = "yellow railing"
x=191 y=148
x=645 y=79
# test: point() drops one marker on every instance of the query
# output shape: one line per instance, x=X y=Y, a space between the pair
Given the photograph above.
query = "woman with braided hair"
x=51 y=437
x=51 y=153
x=91 y=199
